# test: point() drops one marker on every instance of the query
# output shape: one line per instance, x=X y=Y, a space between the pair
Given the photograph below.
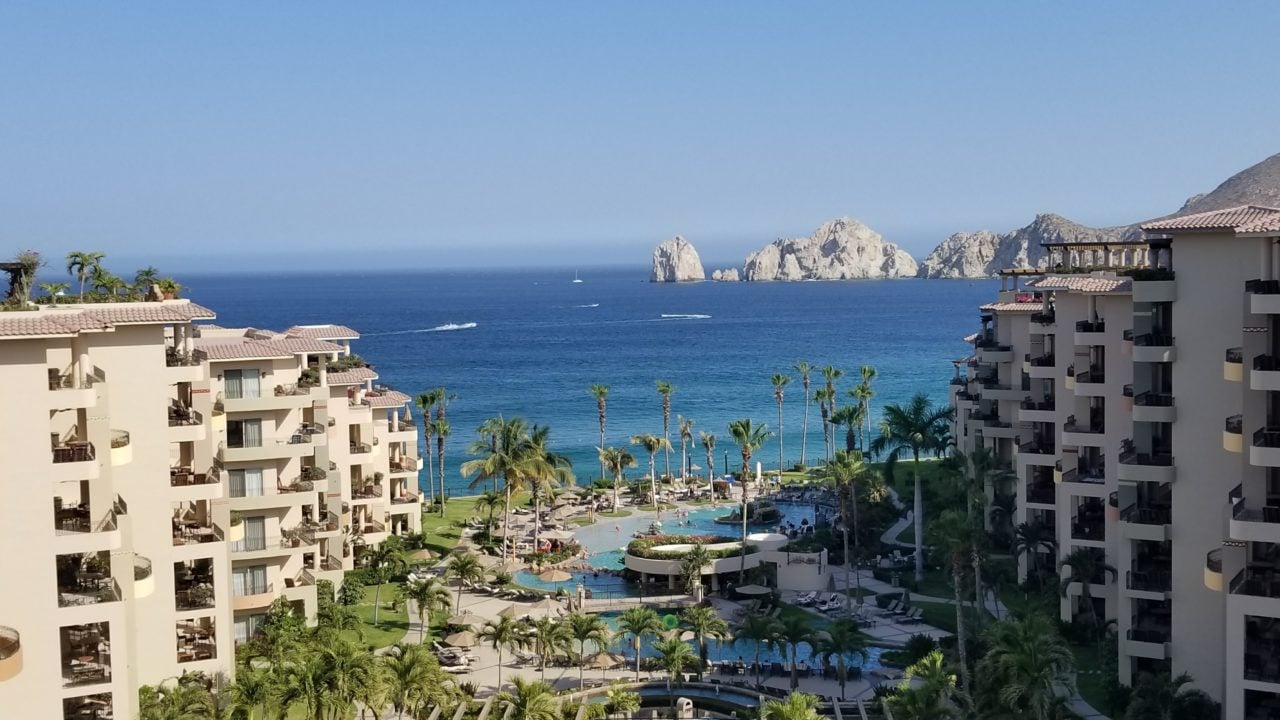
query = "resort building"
x=1131 y=445
x=165 y=482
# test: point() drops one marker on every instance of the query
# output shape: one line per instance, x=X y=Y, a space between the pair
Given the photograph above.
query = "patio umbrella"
x=545 y=607
x=461 y=639
x=558 y=535
x=603 y=661
x=752 y=590
x=555 y=575
x=511 y=567
x=510 y=611
x=423 y=554
x=466 y=619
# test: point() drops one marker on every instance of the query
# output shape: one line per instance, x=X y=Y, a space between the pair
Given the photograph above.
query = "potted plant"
x=169 y=288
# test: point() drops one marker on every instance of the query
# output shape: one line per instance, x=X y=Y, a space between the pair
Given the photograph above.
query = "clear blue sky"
x=195 y=134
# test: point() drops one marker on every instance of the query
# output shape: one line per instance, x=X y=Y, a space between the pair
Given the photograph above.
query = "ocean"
x=529 y=343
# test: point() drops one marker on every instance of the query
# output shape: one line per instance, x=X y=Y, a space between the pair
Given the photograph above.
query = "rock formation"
x=676 y=260
x=1255 y=185
x=984 y=253
x=842 y=249
x=726 y=275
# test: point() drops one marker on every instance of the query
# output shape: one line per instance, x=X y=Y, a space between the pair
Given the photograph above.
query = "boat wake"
x=592 y=305
x=680 y=316
x=439 y=328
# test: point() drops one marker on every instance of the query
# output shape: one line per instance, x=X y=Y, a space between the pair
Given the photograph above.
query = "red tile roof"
x=302 y=346
x=33 y=324
x=1083 y=283
x=323 y=332
x=390 y=398
x=1027 y=307
x=231 y=349
x=137 y=313
x=354 y=376
x=1242 y=220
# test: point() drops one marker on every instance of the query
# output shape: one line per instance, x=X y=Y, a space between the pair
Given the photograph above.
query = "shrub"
x=644 y=547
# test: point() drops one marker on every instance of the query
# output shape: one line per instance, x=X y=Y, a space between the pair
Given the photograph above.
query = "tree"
x=530 y=700
x=708 y=443
x=443 y=431
x=351 y=593
x=502 y=634
x=253 y=694
x=846 y=470
x=1029 y=539
x=1084 y=566
x=830 y=375
x=849 y=416
x=954 y=533
x=691 y=568
x=977 y=472
x=348 y=668
x=547 y=471
x=932 y=694
x=503 y=451
x=797 y=706
x=780 y=383
x=791 y=631
x=616 y=461
x=1160 y=697
x=181 y=701
x=674 y=656
x=639 y=623
x=426 y=402
x=915 y=428
x=822 y=396
x=488 y=502
x=82 y=266
x=384 y=561
x=685 y=427
x=840 y=640
x=665 y=389
x=803 y=369
x=1027 y=661
x=550 y=637
x=54 y=289
x=704 y=622
x=332 y=619
x=760 y=630
x=585 y=628
x=621 y=701
x=429 y=595
x=305 y=682
x=749 y=438
x=863 y=394
x=652 y=444
x=464 y=568
x=600 y=393
x=144 y=278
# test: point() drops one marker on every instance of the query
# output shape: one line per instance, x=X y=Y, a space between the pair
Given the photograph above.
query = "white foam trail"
x=680 y=316
x=439 y=328
x=592 y=305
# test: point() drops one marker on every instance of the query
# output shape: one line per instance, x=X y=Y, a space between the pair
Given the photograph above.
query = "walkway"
x=614 y=604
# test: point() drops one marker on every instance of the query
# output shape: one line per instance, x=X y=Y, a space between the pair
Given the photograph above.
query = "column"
x=188 y=339
x=1265 y=250
x=1275 y=261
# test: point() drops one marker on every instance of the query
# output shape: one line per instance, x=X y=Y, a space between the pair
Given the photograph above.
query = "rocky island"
x=676 y=260
x=985 y=253
x=841 y=249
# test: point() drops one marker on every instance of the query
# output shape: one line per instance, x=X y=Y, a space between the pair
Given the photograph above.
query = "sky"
x=320 y=135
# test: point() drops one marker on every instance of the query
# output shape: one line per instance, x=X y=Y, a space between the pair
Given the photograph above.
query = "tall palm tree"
x=1029 y=662
x=503 y=451
x=82 y=265
x=488 y=502
x=850 y=417
x=977 y=472
x=305 y=682
x=797 y=706
x=586 y=628
x=253 y=694
x=600 y=393
x=549 y=636
x=443 y=431
x=144 y=279
x=749 y=437
x=529 y=700
x=791 y=631
x=182 y=701
x=803 y=369
x=708 y=442
x=846 y=471
x=1085 y=565
x=840 y=640
x=426 y=402
x=652 y=444
x=761 y=630
x=385 y=560
x=953 y=533
x=464 y=568
x=1029 y=539
x=915 y=428
x=410 y=673
x=547 y=471
x=616 y=461
x=621 y=701
x=863 y=394
x=665 y=389
x=821 y=396
x=1161 y=697
x=430 y=595
x=674 y=656
x=704 y=622
x=52 y=290
x=780 y=383
x=691 y=567
x=927 y=691
x=502 y=634
x=350 y=668
x=830 y=375
x=685 y=428
x=639 y=623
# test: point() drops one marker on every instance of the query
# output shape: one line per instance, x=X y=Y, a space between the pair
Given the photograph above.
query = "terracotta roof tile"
x=389 y=398
x=32 y=324
x=323 y=332
x=1083 y=283
x=301 y=346
x=1026 y=307
x=1243 y=219
x=231 y=349
x=166 y=312
x=354 y=376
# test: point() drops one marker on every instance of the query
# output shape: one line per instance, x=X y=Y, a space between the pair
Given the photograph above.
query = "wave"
x=592 y=305
x=681 y=316
x=439 y=328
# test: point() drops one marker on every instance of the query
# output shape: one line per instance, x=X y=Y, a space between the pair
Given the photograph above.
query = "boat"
x=575 y=277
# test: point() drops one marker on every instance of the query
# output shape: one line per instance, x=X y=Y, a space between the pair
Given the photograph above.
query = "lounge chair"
x=893 y=607
x=915 y=616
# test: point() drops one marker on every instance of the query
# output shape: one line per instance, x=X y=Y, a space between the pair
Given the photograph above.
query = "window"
x=244 y=433
x=249 y=580
x=255 y=535
x=246 y=482
x=247 y=627
x=241 y=384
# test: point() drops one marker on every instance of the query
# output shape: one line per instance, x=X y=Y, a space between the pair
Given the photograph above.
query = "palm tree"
x=621 y=701
x=1160 y=697
x=665 y=389
x=791 y=631
x=182 y=701
x=52 y=290
x=840 y=640
x=410 y=675
x=425 y=402
x=305 y=682
x=749 y=438
x=927 y=691
x=780 y=383
x=464 y=568
x=144 y=279
x=253 y=693
x=639 y=623
x=503 y=451
x=691 y=568
x=708 y=442
x=978 y=473
x=846 y=471
x=954 y=533
x=489 y=502
x=616 y=461
x=685 y=428
x=803 y=369
x=82 y=265
x=797 y=706
x=443 y=431
x=600 y=393
x=674 y=656
x=547 y=470
x=849 y=416
x=1029 y=539
x=530 y=700
x=1029 y=662
x=502 y=634
x=652 y=444
x=550 y=637
x=830 y=375
x=585 y=628
x=759 y=629
x=915 y=428
x=822 y=396
x=384 y=561
x=863 y=394
x=430 y=595
x=332 y=619
x=1086 y=564
x=348 y=668
x=704 y=622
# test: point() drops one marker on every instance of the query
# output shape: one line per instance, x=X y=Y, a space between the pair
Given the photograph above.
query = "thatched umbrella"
x=461 y=639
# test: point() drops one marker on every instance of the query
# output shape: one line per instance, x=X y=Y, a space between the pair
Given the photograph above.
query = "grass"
x=1089 y=682
x=582 y=522
x=392 y=624
x=651 y=508
x=615 y=514
x=442 y=533
x=943 y=615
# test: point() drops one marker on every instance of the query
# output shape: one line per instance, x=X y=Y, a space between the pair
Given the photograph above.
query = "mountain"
x=984 y=253
x=1256 y=185
x=841 y=249
x=676 y=260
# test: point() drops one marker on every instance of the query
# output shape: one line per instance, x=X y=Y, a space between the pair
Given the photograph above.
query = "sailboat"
x=575 y=277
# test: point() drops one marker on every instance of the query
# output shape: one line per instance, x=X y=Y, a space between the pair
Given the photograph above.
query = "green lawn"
x=442 y=533
x=615 y=514
x=1090 y=681
x=391 y=626
x=943 y=615
x=651 y=508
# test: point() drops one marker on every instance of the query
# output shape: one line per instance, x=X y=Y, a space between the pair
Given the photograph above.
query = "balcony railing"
x=1043 y=318
x=1093 y=375
x=406 y=498
x=1156 y=459
x=1153 y=339
x=370 y=526
x=1267 y=513
x=1213 y=560
x=404 y=464
x=1147 y=515
x=180 y=416
x=1149 y=634
x=366 y=492
x=1095 y=327
x=1039 y=446
x=89 y=589
x=1074 y=427
x=1044 y=360
x=957 y=380
x=330 y=563
x=1041 y=494
x=1262 y=287
x=1257 y=583
x=1266 y=363
x=359 y=448
x=1087 y=529
x=1153 y=399
x=78 y=451
x=1235 y=355
x=119 y=439
x=1234 y=424
x=1149 y=581
x=1047 y=404
x=1268 y=437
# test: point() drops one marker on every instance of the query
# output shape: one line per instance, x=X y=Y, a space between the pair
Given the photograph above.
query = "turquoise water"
x=538 y=341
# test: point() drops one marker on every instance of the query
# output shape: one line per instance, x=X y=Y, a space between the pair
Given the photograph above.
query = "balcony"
x=79 y=532
x=1265 y=450
x=405 y=499
x=86 y=657
x=1041 y=494
x=366 y=492
x=144 y=582
x=1039 y=451
x=1213 y=570
x=1154 y=407
x=1091 y=434
x=1253 y=523
x=1256 y=582
x=1044 y=366
x=1151 y=581
x=121 y=448
x=195 y=532
x=1037 y=411
x=285 y=397
x=405 y=464
x=10 y=653
x=360 y=448
x=1090 y=333
x=1147 y=641
x=86 y=585
x=996 y=391
x=1264 y=296
x=186 y=424
x=1044 y=318
x=993 y=352
x=369 y=527
x=1233 y=434
x=74 y=461
x=1233 y=365
x=1146 y=467
x=66 y=394
x=1154 y=348
x=297 y=446
x=196 y=640
x=253 y=598
x=1090 y=382
x=1146 y=522
x=1265 y=374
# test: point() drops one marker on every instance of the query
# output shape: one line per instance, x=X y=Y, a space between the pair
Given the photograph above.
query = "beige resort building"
x=165 y=481
x=1140 y=412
